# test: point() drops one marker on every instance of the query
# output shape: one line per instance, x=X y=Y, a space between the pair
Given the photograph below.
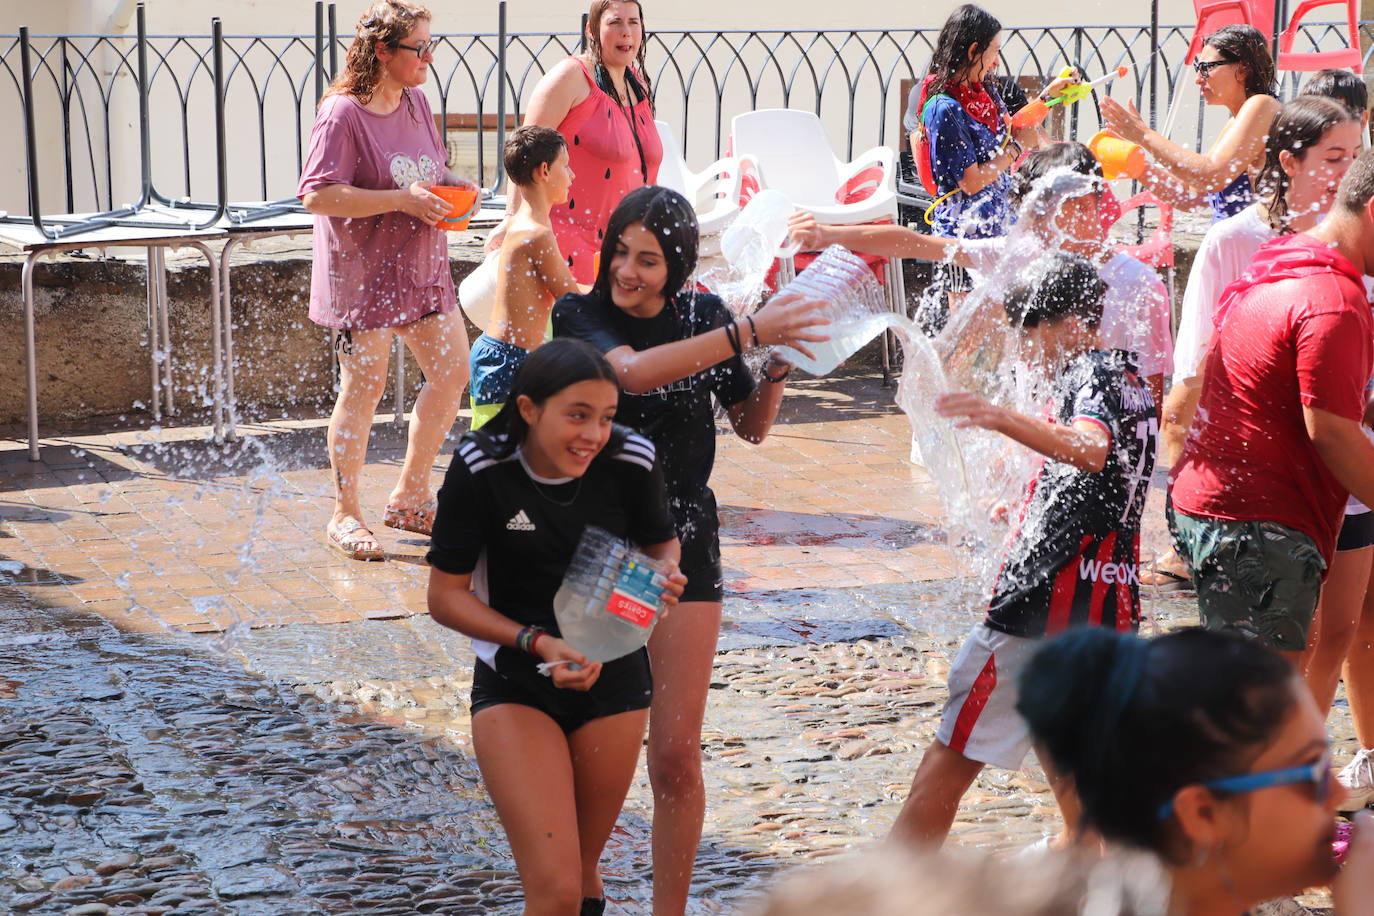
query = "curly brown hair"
x=388 y=22
x=593 y=53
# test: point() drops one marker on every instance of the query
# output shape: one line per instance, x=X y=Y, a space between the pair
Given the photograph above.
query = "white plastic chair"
x=714 y=193
x=795 y=157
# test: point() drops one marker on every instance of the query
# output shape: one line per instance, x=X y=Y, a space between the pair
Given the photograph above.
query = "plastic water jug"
x=856 y=308
x=751 y=242
x=610 y=597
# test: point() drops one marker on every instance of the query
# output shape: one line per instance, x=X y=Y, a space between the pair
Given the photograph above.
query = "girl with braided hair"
x=600 y=101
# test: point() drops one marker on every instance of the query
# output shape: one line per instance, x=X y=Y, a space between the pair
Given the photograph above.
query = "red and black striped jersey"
x=1073 y=557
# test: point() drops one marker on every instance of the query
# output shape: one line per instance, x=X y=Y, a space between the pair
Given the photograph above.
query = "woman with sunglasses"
x=600 y=101
x=1204 y=748
x=1234 y=69
x=381 y=267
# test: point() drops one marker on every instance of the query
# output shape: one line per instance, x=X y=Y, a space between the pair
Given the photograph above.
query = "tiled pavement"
x=173 y=531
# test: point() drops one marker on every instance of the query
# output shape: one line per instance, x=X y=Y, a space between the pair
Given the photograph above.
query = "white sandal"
x=346 y=539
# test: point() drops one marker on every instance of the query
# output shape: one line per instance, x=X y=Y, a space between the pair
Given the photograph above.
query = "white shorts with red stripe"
x=980 y=719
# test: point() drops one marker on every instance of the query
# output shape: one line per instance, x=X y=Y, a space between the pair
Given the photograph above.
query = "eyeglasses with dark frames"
x=1204 y=68
x=422 y=49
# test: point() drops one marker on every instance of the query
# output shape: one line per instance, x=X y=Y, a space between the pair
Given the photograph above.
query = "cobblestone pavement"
x=204 y=710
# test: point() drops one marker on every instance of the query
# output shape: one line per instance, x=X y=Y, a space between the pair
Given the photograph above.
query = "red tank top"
x=605 y=160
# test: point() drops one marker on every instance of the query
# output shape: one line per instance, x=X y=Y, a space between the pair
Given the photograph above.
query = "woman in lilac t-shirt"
x=381 y=267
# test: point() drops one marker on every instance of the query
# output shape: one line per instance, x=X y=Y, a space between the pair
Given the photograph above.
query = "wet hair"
x=388 y=22
x=1297 y=127
x=670 y=219
x=1345 y=86
x=558 y=364
x=1134 y=721
x=1039 y=163
x=1357 y=187
x=1248 y=46
x=637 y=77
x=967 y=27
x=1056 y=285
x=528 y=148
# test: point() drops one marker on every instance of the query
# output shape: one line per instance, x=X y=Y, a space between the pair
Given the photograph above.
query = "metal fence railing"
x=87 y=105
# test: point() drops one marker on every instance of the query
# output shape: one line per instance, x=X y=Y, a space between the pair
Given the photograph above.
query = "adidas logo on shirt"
x=521 y=522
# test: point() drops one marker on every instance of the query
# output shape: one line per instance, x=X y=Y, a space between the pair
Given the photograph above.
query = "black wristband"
x=753 y=330
x=777 y=379
x=732 y=335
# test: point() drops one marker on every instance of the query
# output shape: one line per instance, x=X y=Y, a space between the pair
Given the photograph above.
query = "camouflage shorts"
x=1260 y=578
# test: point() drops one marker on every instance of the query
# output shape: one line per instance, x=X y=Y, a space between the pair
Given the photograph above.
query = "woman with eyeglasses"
x=601 y=102
x=381 y=266
x=1234 y=69
x=1206 y=749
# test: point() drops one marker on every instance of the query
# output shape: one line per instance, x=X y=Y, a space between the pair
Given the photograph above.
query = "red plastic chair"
x=1213 y=14
x=1348 y=57
x=1158 y=250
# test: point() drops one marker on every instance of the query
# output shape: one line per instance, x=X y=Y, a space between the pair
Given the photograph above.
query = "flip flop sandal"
x=1173 y=582
x=345 y=538
x=419 y=520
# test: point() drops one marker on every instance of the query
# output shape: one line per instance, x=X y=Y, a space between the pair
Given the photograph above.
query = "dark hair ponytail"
x=968 y=26
x=552 y=367
x=1135 y=721
x=1298 y=126
x=670 y=219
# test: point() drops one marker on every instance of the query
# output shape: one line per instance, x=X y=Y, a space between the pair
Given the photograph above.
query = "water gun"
x=1037 y=111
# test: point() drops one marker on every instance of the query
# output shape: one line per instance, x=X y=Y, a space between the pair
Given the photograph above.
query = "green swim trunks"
x=1260 y=578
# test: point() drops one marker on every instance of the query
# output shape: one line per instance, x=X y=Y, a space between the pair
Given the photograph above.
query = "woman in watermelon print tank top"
x=600 y=102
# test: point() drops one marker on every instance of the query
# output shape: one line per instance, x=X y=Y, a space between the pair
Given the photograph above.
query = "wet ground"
x=204 y=710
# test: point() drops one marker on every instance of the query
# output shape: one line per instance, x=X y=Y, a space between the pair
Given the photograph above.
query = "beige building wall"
x=288 y=123
x=278 y=16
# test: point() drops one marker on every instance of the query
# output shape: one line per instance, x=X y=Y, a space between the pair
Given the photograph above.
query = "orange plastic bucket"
x=1119 y=158
x=465 y=203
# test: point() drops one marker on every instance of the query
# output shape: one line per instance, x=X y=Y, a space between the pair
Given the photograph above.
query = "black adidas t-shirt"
x=1074 y=557
x=516 y=533
x=680 y=417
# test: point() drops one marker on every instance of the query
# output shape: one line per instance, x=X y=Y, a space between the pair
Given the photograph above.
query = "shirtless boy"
x=531 y=272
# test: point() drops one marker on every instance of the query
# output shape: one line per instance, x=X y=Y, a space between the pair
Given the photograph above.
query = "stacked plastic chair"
x=715 y=192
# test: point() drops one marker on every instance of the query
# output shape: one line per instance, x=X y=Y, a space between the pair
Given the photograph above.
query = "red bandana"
x=975 y=100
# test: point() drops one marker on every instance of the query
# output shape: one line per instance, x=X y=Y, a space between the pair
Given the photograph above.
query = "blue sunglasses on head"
x=1319 y=774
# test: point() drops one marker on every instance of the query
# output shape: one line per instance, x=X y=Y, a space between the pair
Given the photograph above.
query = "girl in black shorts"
x=672 y=349
x=557 y=752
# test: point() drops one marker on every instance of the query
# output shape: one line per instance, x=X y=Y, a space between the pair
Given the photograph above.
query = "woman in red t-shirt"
x=600 y=102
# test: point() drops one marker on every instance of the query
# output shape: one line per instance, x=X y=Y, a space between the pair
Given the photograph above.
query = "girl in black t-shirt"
x=557 y=752
x=673 y=348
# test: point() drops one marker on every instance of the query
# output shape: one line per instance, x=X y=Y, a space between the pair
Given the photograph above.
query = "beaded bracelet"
x=526 y=639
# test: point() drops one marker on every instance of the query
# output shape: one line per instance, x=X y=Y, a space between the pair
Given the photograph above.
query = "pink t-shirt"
x=1297 y=332
x=605 y=160
x=376 y=271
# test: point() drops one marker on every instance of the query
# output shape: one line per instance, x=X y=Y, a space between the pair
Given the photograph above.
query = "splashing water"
x=748 y=248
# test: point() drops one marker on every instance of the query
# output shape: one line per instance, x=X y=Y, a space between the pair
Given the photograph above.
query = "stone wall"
x=93 y=343
x=92 y=334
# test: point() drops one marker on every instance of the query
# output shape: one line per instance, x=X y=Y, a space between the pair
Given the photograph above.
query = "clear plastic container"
x=857 y=309
x=611 y=597
x=751 y=242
